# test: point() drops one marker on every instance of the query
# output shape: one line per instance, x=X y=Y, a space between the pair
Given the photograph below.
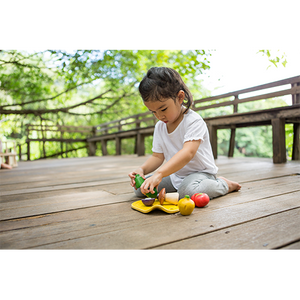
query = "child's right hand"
x=132 y=176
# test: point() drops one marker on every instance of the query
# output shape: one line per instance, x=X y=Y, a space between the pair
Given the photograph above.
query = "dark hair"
x=162 y=83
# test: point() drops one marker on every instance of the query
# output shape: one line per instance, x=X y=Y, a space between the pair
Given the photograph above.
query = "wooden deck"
x=85 y=203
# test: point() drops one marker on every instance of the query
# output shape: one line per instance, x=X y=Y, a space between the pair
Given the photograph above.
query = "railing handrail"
x=291 y=80
x=295 y=89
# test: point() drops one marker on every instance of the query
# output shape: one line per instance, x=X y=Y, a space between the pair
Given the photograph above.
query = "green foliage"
x=274 y=59
x=82 y=87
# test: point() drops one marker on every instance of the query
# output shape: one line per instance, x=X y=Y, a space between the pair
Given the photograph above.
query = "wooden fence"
x=140 y=126
x=65 y=135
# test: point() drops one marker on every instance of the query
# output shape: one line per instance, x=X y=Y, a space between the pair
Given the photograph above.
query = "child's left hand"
x=150 y=183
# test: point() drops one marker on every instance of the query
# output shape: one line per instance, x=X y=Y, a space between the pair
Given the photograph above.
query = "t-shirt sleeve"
x=195 y=131
x=156 y=144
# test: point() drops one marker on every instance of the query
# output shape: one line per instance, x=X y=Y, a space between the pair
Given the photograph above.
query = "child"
x=4 y=165
x=181 y=138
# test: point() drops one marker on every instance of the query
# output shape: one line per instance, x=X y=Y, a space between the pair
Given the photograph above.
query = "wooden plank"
x=56 y=140
x=61 y=187
x=293 y=246
x=265 y=233
x=107 y=215
x=292 y=91
x=115 y=216
x=29 y=208
x=58 y=130
x=57 y=126
x=171 y=228
x=269 y=187
x=255 y=116
x=114 y=189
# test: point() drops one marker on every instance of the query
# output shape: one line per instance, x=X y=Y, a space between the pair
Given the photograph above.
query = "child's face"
x=167 y=111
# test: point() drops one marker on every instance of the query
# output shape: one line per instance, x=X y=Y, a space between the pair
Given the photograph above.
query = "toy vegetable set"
x=168 y=202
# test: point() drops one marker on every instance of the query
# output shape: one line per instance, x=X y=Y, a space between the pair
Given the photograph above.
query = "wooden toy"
x=166 y=207
x=186 y=205
x=168 y=197
x=200 y=199
x=139 y=180
x=166 y=202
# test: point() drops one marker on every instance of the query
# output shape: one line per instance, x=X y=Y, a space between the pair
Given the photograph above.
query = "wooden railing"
x=219 y=112
x=66 y=135
x=138 y=126
x=141 y=125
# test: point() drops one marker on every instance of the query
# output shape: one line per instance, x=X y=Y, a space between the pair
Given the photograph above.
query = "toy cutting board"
x=166 y=207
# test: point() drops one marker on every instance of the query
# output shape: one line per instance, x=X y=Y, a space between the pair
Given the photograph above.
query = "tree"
x=37 y=83
x=82 y=87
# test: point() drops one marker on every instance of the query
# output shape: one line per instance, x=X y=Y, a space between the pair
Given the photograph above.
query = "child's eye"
x=164 y=109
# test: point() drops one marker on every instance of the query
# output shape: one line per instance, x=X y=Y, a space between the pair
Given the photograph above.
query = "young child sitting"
x=181 y=138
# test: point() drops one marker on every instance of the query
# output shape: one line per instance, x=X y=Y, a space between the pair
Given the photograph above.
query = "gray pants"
x=194 y=183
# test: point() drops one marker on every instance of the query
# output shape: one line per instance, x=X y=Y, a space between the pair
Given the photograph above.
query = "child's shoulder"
x=192 y=116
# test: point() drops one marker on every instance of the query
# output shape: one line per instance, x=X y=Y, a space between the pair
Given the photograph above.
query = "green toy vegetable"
x=139 y=180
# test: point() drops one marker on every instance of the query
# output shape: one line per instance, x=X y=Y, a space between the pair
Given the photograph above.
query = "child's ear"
x=181 y=96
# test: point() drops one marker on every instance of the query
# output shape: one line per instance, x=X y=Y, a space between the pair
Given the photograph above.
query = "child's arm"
x=151 y=164
x=177 y=162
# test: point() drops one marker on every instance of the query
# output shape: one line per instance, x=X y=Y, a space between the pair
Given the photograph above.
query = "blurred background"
x=90 y=87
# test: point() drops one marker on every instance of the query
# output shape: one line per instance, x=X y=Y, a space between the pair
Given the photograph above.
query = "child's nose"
x=160 y=115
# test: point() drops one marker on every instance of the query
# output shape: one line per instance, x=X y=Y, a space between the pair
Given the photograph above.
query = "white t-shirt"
x=192 y=127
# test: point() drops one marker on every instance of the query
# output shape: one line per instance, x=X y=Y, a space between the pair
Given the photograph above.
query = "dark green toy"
x=139 y=180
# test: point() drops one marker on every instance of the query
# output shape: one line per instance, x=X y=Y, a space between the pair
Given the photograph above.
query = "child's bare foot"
x=232 y=185
x=6 y=166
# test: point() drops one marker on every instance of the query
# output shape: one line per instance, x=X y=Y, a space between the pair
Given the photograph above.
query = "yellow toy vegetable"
x=186 y=205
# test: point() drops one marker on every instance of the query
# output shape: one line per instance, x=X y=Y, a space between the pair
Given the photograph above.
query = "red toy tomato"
x=200 y=199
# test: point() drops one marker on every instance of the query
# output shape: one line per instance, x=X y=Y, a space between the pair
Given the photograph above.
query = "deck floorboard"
x=85 y=203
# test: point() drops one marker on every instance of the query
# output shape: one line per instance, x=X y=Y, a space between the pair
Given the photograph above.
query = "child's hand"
x=150 y=183
x=132 y=176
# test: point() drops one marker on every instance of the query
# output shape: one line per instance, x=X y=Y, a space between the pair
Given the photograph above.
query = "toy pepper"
x=139 y=180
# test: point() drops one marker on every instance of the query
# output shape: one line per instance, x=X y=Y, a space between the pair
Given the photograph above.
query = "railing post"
x=279 y=148
x=104 y=147
x=295 y=97
x=140 y=144
x=213 y=136
x=235 y=105
x=231 y=142
x=118 y=146
x=92 y=148
x=296 y=128
x=296 y=142
x=20 y=152
x=28 y=150
x=137 y=126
